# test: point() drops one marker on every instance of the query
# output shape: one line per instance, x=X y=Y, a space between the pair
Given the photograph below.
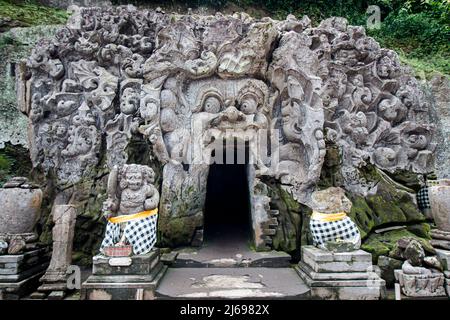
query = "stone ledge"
x=320 y=255
x=372 y=280
x=5 y=278
x=121 y=287
x=140 y=265
x=334 y=275
x=16 y=290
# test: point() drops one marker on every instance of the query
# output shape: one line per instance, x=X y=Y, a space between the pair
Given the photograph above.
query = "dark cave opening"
x=227 y=207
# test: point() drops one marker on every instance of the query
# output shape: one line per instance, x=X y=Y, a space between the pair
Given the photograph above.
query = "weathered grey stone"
x=56 y=295
x=440 y=87
x=21 y=209
x=3 y=247
x=231 y=283
x=140 y=265
x=244 y=78
x=17 y=289
x=325 y=261
x=123 y=287
x=169 y=258
x=439 y=195
x=63 y=231
x=444 y=256
x=16 y=45
x=371 y=288
x=18 y=277
x=421 y=285
x=345 y=276
x=16 y=246
x=38 y=295
x=333 y=276
x=387 y=266
x=15 y=264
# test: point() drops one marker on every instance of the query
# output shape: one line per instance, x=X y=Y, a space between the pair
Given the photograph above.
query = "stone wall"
x=16 y=44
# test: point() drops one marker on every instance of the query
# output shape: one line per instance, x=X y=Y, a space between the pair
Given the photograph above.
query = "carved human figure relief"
x=132 y=211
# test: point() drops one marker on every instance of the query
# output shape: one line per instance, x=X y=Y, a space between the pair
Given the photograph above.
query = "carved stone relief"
x=184 y=82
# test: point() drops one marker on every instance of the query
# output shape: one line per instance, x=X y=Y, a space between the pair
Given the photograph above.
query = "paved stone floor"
x=232 y=283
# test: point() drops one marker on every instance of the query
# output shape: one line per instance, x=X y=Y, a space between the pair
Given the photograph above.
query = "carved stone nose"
x=232 y=113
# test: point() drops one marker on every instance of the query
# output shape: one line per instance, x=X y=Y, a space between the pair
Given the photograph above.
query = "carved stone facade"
x=183 y=83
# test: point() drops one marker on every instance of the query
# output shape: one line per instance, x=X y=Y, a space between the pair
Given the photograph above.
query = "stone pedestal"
x=340 y=275
x=19 y=274
x=124 y=278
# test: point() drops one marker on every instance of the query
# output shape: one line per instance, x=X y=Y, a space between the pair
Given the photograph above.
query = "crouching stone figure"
x=132 y=211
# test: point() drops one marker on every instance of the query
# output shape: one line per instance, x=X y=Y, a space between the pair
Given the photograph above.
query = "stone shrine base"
x=420 y=285
x=19 y=274
x=340 y=276
x=124 y=278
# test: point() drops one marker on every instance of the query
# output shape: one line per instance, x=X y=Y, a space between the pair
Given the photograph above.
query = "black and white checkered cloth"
x=324 y=231
x=423 y=201
x=140 y=233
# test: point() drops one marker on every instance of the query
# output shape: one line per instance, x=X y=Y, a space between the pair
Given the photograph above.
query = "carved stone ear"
x=121 y=177
x=149 y=175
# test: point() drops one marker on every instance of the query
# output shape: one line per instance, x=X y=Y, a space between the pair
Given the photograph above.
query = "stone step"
x=232 y=283
x=205 y=258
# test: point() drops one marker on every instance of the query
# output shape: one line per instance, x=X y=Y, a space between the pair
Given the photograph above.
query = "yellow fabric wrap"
x=328 y=217
x=129 y=217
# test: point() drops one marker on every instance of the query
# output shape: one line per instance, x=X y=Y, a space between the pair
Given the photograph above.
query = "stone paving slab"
x=232 y=283
x=213 y=257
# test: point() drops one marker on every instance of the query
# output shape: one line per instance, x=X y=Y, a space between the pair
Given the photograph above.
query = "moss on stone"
x=392 y=204
x=384 y=243
x=30 y=13
x=177 y=231
x=289 y=230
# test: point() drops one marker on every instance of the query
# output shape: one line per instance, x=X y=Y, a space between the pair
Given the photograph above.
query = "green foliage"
x=14 y=161
x=29 y=13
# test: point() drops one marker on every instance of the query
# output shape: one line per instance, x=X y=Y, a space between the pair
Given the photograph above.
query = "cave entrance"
x=227 y=206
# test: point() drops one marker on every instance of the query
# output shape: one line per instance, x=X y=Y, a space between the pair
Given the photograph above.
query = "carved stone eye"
x=248 y=105
x=211 y=105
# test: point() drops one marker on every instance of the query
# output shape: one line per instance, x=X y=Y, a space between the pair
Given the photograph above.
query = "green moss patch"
x=384 y=243
x=29 y=13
